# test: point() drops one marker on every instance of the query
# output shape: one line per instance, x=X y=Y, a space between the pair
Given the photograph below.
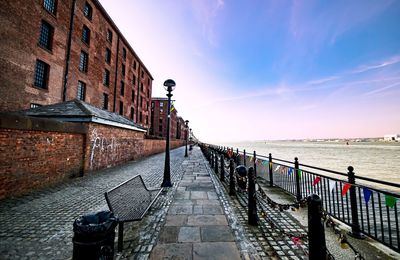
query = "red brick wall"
x=33 y=159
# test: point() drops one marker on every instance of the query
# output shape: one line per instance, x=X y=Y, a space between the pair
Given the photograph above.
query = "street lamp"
x=186 y=137
x=169 y=86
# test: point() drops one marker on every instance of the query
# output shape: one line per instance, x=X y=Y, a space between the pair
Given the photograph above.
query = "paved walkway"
x=39 y=225
x=196 y=226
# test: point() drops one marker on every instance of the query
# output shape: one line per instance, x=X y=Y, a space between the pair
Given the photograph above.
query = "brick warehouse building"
x=58 y=50
x=159 y=119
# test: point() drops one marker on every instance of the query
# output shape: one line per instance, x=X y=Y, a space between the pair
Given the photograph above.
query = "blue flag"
x=367 y=194
x=290 y=171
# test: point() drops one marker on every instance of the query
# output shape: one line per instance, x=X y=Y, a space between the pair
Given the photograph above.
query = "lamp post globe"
x=169 y=86
x=186 y=137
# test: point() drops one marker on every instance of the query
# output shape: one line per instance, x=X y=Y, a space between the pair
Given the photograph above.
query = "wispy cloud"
x=391 y=61
x=382 y=89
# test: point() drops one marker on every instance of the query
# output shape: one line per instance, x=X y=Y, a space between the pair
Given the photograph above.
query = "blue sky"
x=255 y=70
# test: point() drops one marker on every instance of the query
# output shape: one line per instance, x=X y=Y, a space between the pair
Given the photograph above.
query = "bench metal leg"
x=120 y=236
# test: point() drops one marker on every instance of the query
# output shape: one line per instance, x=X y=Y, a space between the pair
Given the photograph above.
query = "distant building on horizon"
x=54 y=51
x=159 y=119
x=392 y=137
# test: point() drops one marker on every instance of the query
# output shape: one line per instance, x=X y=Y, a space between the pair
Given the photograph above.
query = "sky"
x=271 y=70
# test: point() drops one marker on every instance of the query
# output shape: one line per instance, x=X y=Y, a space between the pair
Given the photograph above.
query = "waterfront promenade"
x=195 y=219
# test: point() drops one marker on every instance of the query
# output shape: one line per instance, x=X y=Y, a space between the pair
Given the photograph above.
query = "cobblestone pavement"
x=39 y=225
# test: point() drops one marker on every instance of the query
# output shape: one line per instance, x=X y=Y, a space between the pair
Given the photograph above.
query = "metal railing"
x=354 y=200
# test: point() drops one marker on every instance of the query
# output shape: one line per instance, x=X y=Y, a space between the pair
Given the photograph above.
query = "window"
x=121 y=107
x=160 y=128
x=148 y=82
x=46 y=35
x=34 y=105
x=123 y=69
x=81 y=91
x=140 y=118
x=124 y=53
x=161 y=110
x=109 y=35
x=132 y=113
x=141 y=102
x=86 y=35
x=83 y=62
x=152 y=104
x=134 y=80
x=148 y=92
x=50 y=5
x=161 y=104
x=134 y=65
x=122 y=88
x=41 y=74
x=88 y=11
x=142 y=74
x=105 y=101
x=141 y=86
x=133 y=95
x=108 y=55
x=147 y=120
x=106 y=77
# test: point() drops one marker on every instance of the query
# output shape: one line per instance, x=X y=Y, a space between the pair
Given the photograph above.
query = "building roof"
x=79 y=111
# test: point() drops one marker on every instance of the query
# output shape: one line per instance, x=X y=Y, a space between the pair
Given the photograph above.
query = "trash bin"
x=94 y=236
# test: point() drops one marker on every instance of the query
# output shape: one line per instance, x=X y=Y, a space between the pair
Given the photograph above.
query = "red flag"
x=346 y=187
x=316 y=180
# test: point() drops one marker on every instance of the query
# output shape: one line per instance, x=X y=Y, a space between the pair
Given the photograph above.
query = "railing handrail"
x=391 y=184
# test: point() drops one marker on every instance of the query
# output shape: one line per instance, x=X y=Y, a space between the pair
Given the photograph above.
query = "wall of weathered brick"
x=36 y=153
x=31 y=158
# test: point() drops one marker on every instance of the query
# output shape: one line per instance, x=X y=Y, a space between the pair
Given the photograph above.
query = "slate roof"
x=80 y=111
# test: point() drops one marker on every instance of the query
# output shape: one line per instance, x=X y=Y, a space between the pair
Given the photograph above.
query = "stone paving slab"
x=196 y=220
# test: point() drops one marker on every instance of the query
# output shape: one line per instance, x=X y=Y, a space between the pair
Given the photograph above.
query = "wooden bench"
x=130 y=201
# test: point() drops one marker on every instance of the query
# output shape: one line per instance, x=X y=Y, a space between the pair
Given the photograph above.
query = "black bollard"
x=222 y=176
x=216 y=163
x=232 y=190
x=355 y=226
x=244 y=157
x=212 y=160
x=316 y=231
x=271 y=178
x=252 y=207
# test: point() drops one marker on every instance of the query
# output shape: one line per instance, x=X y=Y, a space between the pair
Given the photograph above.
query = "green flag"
x=390 y=201
x=299 y=172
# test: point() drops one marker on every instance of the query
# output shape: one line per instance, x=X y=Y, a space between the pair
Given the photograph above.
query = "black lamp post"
x=169 y=85
x=186 y=137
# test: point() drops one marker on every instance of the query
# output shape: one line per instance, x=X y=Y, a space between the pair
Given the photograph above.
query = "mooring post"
x=252 y=207
x=244 y=157
x=316 y=231
x=222 y=176
x=255 y=164
x=297 y=174
x=271 y=178
x=355 y=226
x=212 y=159
x=216 y=163
x=232 y=190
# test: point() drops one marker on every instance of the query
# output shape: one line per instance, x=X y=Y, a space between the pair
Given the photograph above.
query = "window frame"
x=106 y=78
x=88 y=15
x=49 y=44
x=55 y=4
x=44 y=77
x=105 y=101
x=83 y=62
x=81 y=90
x=87 y=30
x=108 y=56
x=109 y=36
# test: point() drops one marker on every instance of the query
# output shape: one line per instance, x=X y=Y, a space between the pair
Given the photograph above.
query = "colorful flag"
x=390 y=201
x=277 y=168
x=346 y=187
x=367 y=194
x=316 y=180
x=270 y=164
x=290 y=171
x=299 y=172
x=250 y=158
x=331 y=185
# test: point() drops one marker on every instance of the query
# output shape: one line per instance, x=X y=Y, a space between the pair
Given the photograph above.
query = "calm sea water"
x=375 y=160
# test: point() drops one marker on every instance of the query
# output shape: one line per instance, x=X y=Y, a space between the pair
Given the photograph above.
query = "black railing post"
x=216 y=163
x=232 y=190
x=316 y=231
x=254 y=163
x=297 y=175
x=237 y=160
x=244 y=157
x=222 y=176
x=252 y=207
x=212 y=159
x=355 y=226
x=271 y=178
